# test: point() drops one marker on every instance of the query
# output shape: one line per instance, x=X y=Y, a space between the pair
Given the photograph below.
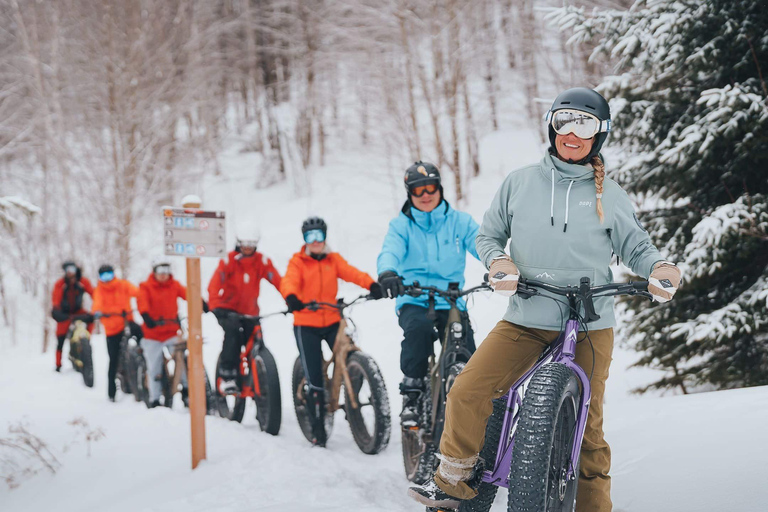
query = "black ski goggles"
x=420 y=190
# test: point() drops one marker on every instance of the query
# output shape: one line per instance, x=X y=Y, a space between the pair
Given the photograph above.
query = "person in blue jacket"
x=427 y=242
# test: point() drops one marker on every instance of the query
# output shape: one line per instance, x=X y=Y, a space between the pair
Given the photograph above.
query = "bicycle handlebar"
x=528 y=288
x=415 y=290
x=340 y=304
x=258 y=317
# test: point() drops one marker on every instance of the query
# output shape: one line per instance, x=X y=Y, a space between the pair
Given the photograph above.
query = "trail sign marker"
x=194 y=233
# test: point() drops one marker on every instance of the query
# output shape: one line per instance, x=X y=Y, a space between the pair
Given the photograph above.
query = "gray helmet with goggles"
x=161 y=265
x=422 y=177
x=583 y=112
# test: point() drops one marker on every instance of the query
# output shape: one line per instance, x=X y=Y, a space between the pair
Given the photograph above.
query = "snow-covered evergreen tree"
x=690 y=106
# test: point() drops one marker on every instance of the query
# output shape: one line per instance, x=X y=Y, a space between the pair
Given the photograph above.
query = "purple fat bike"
x=533 y=438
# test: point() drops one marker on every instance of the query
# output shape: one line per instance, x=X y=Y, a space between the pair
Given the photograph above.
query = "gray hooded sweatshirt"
x=565 y=242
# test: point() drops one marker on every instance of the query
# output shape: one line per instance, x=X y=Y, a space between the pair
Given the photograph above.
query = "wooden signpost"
x=194 y=234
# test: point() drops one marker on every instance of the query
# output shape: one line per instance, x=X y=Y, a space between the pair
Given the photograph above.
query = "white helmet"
x=161 y=261
x=248 y=235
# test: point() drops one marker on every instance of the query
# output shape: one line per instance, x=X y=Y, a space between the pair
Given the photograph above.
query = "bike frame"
x=562 y=351
x=246 y=367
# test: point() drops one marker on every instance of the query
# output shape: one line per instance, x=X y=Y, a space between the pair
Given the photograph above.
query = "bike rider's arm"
x=351 y=274
x=143 y=304
x=494 y=233
x=629 y=239
x=470 y=229
x=290 y=284
x=57 y=296
x=270 y=273
x=394 y=248
x=87 y=286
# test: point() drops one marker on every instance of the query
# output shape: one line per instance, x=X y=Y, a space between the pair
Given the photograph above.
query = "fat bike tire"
x=543 y=443
x=86 y=357
x=370 y=421
x=269 y=407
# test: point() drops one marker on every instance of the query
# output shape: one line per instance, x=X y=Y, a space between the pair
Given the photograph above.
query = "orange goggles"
x=420 y=190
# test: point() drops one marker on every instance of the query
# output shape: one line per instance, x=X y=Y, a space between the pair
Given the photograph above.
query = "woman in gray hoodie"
x=590 y=218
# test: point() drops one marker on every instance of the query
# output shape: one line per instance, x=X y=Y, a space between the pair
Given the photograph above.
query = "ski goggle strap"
x=420 y=190
x=106 y=277
x=163 y=269
x=314 y=235
x=581 y=124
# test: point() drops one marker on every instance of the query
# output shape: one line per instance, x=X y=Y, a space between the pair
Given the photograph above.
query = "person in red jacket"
x=112 y=306
x=234 y=291
x=313 y=275
x=68 y=302
x=158 y=306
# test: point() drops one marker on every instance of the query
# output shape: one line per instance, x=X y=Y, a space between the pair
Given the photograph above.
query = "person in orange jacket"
x=233 y=291
x=67 y=302
x=112 y=306
x=313 y=275
x=158 y=306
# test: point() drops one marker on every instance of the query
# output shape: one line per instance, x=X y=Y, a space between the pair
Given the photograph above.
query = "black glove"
x=87 y=318
x=59 y=315
x=391 y=284
x=294 y=304
x=206 y=309
x=148 y=321
x=376 y=291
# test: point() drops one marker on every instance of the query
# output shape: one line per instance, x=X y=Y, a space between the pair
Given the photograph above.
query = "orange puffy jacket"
x=114 y=298
x=311 y=279
x=237 y=282
x=69 y=300
x=158 y=300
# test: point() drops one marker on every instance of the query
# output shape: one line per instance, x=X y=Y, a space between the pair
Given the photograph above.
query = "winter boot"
x=155 y=403
x=316 y=409
x=432 y=495
x=411 y=390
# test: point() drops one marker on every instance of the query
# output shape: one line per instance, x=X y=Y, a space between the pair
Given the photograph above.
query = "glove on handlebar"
x=294 y=304
x=59 y=315
x=377 y=292
x=391 y=284
x=503 y=276
x=664 y=281
x=148 y=321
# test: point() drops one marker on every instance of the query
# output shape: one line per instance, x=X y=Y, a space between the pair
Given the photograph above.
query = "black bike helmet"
x=422 y=173
x=106 y=268
x=314 y=223
x=584 y=100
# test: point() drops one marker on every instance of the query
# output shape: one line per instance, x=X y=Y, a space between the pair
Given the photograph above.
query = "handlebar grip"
x=486 y=276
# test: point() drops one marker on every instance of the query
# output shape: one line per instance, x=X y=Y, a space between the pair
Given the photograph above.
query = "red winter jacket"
x=159 y=301
x=236 y=283
x=69 y=300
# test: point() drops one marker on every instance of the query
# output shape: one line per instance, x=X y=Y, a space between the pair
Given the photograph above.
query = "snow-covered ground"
x=678 y=453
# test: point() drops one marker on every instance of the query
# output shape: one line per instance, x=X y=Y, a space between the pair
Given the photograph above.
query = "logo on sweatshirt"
x=585 y=203
x=546 y=275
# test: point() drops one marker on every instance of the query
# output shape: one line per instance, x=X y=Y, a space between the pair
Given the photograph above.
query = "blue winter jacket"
x=429 y=248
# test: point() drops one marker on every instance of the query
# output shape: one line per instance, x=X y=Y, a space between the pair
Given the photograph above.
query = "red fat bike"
x=257 y=379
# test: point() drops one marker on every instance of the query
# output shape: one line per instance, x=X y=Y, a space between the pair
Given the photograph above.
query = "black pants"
x=419 y=337
x=237 y=330
x=113 y=348
x=309 y=341
x=60 y=342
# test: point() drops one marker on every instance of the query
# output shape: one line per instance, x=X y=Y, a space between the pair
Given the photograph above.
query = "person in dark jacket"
x=67 y=302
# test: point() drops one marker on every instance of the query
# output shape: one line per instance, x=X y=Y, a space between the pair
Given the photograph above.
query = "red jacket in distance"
x=159 y=301
x=236 y=283
x=311 y=279
x=68 y=298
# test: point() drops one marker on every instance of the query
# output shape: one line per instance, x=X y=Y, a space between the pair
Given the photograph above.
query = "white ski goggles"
x=163 y=269
x=581 y=124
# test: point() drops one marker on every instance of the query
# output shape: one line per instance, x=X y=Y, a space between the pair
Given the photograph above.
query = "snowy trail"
x=677 y=454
